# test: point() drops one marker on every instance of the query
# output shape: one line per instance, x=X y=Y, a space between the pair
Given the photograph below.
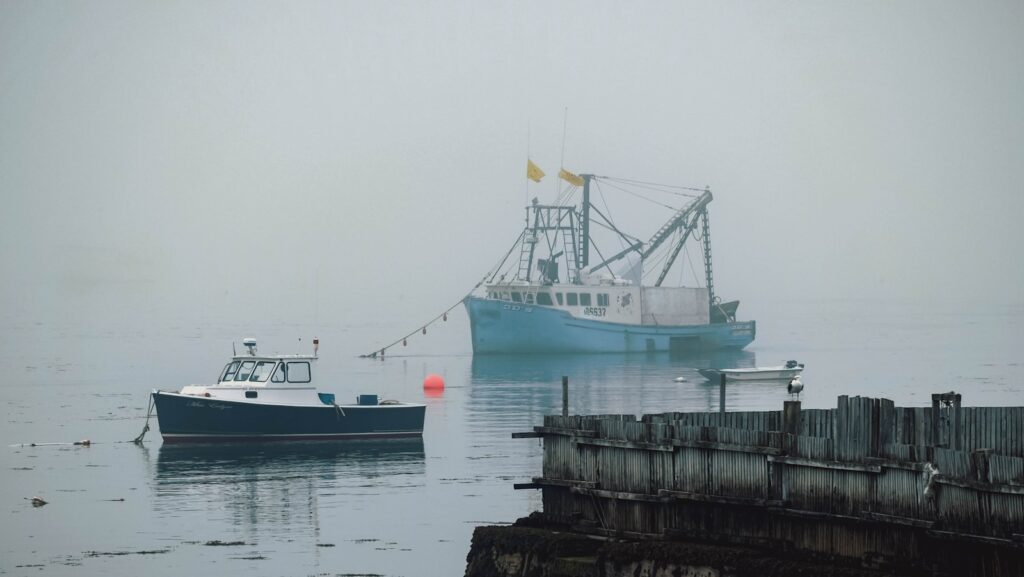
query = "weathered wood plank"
x=897 y=520
x=727 y=447
x=1006 y=489
x=700 y=497
x=618 y=495
x=616 y=443
x=835 y=465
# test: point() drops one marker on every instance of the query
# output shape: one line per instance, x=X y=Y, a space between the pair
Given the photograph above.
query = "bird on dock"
x=795 y=386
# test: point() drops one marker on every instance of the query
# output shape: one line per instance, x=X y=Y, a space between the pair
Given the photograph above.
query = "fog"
x=362 y=162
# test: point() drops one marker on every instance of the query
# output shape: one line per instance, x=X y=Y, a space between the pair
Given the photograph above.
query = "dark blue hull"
x=186 y=418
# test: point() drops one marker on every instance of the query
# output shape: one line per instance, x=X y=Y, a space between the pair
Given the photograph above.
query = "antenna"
x=565 y=123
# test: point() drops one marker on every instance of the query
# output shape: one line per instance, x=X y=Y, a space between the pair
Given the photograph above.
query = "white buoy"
x=679 y=379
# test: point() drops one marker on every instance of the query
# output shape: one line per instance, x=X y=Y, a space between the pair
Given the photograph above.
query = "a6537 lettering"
x=594 y=311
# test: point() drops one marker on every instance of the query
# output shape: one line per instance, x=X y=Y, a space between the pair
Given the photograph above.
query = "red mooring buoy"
x=433 y=383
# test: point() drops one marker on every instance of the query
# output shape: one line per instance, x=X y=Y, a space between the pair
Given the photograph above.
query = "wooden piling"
x=565 y=396
x=721 y=393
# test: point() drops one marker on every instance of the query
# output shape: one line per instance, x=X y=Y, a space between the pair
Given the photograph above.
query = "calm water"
x=391 y=508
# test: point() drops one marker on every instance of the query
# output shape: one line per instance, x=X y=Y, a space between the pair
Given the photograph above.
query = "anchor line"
x=423 y=327
x=145 y=429
x=444 y=315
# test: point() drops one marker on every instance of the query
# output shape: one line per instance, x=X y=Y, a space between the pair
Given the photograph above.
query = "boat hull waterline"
x=499 y=327
x=192 y=419
x=764 y=374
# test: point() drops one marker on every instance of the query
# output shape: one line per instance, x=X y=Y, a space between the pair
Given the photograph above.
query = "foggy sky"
x=360 y=161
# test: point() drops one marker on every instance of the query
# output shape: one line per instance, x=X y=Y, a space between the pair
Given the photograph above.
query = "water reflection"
x=280 y=483
x=512 y=391
x=534 y=368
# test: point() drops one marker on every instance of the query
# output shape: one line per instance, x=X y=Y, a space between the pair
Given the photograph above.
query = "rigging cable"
x=655 y=184
x=651 y=200
x=444 y=315
x=622 y=244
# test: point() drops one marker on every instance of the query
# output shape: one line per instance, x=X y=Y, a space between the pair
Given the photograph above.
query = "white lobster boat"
x=274 y=398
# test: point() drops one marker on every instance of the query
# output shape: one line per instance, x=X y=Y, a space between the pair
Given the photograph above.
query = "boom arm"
x=676 y=222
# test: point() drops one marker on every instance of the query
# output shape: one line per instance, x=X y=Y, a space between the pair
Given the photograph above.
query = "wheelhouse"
x=249 y=371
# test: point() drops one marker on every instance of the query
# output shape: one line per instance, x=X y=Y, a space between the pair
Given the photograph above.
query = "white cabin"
x=270 y=379
x=611 y=300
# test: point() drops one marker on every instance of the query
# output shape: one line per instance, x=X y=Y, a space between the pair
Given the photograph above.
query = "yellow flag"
x=570 y=177
x=533 y=172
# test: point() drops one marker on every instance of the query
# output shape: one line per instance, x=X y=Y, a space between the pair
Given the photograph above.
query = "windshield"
x=262 y=371
x=229 y=371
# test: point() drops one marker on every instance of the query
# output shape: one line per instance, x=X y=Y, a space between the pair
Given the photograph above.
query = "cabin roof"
x=248 y=357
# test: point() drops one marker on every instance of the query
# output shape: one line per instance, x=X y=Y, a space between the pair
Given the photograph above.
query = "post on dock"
x=952 y=400
x=721 y=393
x=565 y=396
x=790 y=424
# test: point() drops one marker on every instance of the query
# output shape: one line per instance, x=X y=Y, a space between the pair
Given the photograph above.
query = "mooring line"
x=145 y=429
x=491 y=274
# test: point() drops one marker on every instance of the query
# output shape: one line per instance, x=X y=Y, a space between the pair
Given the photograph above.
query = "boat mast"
x=584 y=257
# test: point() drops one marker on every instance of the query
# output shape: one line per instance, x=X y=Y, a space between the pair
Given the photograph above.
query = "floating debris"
x=120 y=553
x=219 y=543
x=83 y=443
x=38 y=502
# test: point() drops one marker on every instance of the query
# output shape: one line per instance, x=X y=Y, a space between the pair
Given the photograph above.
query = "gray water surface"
x=397 y=507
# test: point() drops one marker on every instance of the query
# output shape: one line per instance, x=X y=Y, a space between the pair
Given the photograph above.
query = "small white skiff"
x=781 y=373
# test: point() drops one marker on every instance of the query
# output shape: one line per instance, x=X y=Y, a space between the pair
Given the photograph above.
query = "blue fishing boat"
x=273 y=398
x=555 y=300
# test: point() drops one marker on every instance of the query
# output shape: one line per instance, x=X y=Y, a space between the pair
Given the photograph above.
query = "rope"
x=489 y=277
x=655 y=184
x=145 y=429
x=341 y=412
x=381 y=350
x=642 y=197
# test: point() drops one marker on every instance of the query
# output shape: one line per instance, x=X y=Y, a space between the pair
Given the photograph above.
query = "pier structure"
x=922 y=490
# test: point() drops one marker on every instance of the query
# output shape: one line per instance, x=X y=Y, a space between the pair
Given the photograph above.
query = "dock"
x=913 y=490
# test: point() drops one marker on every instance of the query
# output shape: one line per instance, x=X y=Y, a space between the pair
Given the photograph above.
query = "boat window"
x=298 y=372
x=571 y=300
x=245 y=370
x=544 y=298
x=529 y=298
x=278 y=374
x=505 y=297
x=229 y=371
x=602 y=300
x=250 y=394
x=558 y=296
x=262 y=371
x=584 y=299
x=517 y=297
